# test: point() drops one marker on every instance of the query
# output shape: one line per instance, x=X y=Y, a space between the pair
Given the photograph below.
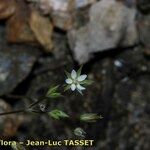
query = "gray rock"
x=8 y=123
x=128 y=123
x=130 y=126
x=144 y=29
x=130 y=3
x=111 y=24
x=15 y=64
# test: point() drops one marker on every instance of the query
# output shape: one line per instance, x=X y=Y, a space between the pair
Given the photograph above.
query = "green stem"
x=35 y=103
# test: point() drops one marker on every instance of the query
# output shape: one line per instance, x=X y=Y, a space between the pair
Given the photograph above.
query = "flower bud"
x=90 y=117
x=79 y=132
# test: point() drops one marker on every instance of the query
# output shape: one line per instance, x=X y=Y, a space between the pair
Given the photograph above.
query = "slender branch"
x=13 y=112
x=36 y=102
x=26 y=109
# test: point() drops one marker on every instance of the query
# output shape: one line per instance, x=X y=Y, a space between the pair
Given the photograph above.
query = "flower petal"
x=73 y=87
x=73 y=74
x=79 y=87
x=82 y=77
x=68 y=81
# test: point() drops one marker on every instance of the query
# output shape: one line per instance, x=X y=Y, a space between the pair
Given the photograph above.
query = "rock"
x=68 y=20
x=63 y=12
x=108 y=28
x=7 y=8
x=43 y=29
x=63 y=20
x=9 y=123
x=129 y=128
x=16 y=62
x=18 y=29
x=128 y=119
x=83 y=3
x=129 y=3
x=43 y=5
x=144 y=29
x=30 y=27
x=62 y=5
x=59 y=5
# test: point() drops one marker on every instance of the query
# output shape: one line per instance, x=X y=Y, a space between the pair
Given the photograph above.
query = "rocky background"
x=40 y=39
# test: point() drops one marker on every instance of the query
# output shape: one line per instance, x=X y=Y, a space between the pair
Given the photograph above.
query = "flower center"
x=75 y=82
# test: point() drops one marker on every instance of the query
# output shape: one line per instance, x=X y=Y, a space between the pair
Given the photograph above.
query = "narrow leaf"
x=58 y=114
x=68 y=74
x=80 y=92
x=52 y=90
x=90 y=117
x=66 y=87
x=79 y=71
x=54 y=95
x=87 y=82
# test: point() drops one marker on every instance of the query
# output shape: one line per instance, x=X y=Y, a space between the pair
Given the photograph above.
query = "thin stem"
x=36 y=102
x=22 y=110
x=13 y=112
x=25 y=110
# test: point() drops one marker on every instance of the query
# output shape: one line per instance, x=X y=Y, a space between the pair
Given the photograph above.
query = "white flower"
x=75 y=81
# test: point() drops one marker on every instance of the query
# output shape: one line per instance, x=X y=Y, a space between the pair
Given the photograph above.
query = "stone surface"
x=62 y=5
x=63 y=12
x=130 y=126
x=10 y=123
x=144 y=29
x=108 y=28
x=42 y=29
x=7 y=8
x=83 y=3
x=18 y=29
x=15 y=64
x=127 y=123
x=63 y=20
